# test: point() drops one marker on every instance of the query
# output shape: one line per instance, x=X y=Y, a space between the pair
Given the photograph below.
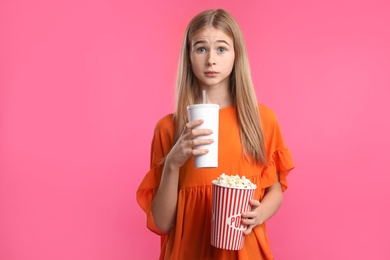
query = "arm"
x=165 y=201
x=263 y=211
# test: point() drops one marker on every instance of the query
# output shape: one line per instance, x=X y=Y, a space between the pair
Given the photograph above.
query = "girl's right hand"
x=186 y=145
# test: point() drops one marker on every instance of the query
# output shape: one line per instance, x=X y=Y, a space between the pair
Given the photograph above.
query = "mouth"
x=211 y=73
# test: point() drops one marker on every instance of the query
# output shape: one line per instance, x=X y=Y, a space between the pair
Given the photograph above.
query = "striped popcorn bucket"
x=228 y=205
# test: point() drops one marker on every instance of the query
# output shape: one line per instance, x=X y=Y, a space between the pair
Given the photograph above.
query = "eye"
x=221 y=49
x=201 y=49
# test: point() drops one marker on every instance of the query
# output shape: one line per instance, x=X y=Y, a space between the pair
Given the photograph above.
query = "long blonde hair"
x=241 y=86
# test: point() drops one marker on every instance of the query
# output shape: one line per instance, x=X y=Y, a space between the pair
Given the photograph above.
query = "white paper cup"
x=228 y=205
x=210 y=115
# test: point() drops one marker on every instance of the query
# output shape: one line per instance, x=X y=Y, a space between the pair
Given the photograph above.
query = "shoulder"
x=165 y=126
x=267 y=115
x=165 y=122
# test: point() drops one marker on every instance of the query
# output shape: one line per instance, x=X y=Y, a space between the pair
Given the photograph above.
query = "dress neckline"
x=227 y=107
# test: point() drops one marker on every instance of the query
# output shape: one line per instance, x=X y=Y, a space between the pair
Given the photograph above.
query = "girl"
x=175 y=196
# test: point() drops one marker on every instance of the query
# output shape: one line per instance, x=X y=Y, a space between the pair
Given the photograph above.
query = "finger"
x=194 y=133
x=248 y=230
x=199 y=151
x=190 y=125
x=249 y=214
x=197 y=142
x=254 y=203
x=248 y=221
x=194 y=123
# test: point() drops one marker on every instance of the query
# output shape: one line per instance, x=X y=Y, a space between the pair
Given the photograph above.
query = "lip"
x=211 y=73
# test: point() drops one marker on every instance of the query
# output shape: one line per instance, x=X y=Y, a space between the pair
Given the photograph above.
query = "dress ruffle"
x=280 y=163
x=284 y=164
x=145 y=194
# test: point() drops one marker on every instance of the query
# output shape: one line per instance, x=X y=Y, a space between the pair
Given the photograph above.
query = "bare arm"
x=165 y=201
x=263 y=211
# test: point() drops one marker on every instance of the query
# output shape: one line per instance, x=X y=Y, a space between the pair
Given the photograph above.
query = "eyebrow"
x=202 y=41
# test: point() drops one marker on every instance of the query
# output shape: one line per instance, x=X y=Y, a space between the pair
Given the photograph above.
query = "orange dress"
x=190 y=236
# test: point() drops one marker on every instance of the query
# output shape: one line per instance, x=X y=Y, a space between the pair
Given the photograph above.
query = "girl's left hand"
x=251 y=218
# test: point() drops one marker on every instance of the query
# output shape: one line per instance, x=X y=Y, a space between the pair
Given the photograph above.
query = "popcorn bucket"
x=228 y=205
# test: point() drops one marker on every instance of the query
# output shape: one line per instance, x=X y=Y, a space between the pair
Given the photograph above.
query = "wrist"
x=171 y=166
x=260 y=219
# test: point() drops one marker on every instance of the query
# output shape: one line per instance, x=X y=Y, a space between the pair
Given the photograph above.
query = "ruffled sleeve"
x=284 y=164
x=279 y=156
x=161 y=144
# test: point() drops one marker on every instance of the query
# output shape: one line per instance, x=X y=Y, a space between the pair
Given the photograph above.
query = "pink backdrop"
x=82 y=84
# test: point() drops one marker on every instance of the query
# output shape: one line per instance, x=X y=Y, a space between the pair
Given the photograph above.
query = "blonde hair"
x=241 y=86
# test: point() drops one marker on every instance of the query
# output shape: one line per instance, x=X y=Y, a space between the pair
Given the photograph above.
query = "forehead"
x=211 y=34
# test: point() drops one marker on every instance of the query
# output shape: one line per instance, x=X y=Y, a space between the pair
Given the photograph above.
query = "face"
x=212 y=58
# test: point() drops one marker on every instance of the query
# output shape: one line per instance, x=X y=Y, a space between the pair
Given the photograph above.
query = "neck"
x=218 y=95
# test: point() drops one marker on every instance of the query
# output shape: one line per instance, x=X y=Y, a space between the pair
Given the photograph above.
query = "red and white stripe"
x=228 y=205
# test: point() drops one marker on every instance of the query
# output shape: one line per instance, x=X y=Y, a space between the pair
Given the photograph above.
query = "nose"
x=210 y=60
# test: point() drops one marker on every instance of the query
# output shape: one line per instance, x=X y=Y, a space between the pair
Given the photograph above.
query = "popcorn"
x=234 y=181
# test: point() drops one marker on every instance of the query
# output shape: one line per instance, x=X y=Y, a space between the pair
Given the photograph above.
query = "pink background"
x=82 y=84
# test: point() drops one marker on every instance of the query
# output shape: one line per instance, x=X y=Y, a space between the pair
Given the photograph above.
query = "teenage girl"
x=176 y=196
